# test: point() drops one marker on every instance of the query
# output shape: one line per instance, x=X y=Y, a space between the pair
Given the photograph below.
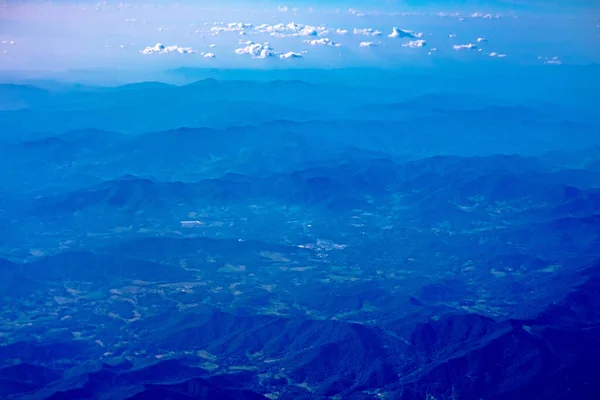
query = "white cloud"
x=552 y=61
x=230 y=27
x=481 y=40
x=160 y=48
x=415 y=43
x=212 y=45
x=282 y=9
x=292 y=29
x=452 y=35
x=402 y=33
x=356 y=12
x=367 y=44
x=209 y=55
x=341 y=31
x=239 y=25
x=366 y=32
x=469 y=46
x=264 y=50
x=290 y=54
x=257 y=50
x=322 y=41
x=485 y=16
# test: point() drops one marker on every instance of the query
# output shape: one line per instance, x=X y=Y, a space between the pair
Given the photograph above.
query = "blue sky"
x=61 y=35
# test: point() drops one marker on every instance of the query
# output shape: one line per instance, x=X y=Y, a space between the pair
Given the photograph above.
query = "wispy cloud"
x=550 y=60
x=485 y=16
x=356 y=12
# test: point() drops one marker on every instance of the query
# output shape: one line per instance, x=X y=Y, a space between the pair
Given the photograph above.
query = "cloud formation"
x=367 y=32
x=469 y=46
x=257 y=50
x=230 y=27
x=356 y=12
x=485 y=16
x=402 y=33
x=290 y=54
x=551 y=60
x=160 y=48
x=292 y=29
x=264 y=51
x=415 y=43
x=323 y=42
x=367 y=44
x=209 y=55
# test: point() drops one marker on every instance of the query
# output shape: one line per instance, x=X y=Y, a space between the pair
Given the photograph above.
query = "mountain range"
x=291 y=239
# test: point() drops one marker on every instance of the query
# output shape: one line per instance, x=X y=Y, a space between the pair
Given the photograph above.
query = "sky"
x=158 y=34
